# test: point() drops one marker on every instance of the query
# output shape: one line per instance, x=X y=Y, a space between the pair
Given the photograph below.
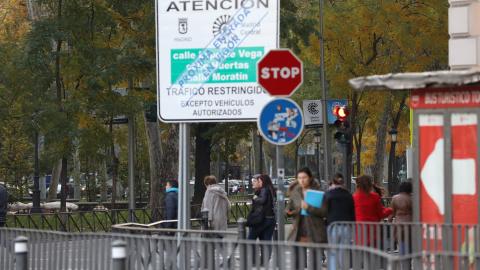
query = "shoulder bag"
x=256 y=216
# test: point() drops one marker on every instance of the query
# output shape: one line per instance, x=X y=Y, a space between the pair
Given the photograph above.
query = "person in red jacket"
x=368 y=208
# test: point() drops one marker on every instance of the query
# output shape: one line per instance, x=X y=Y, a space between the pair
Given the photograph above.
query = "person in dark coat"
x=3 y=205
x=265 y=197
x=171 y=204
x=341 y=208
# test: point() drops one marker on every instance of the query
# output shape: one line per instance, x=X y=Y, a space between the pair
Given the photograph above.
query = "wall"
x=464 y=30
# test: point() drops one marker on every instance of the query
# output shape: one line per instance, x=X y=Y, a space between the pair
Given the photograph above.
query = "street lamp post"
x=36 y=185
x=393 y=132
x=249 y=145
x=317 y=139
x=260 y=148
x=322 y=172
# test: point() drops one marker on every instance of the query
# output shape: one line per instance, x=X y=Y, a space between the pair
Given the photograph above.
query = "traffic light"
x=342 y=135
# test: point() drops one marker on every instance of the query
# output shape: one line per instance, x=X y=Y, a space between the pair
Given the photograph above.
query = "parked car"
x=286 y=183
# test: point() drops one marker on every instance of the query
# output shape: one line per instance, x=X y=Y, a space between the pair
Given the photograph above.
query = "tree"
x=96 y=49
x=377 y=37
x=168 y=170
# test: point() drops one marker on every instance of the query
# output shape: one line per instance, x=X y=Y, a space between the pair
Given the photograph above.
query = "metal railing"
x=425 y=245
x=102 y=220
x=438 y=246
x=91 y=221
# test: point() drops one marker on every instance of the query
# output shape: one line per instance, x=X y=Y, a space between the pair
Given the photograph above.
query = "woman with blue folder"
x=309 y=210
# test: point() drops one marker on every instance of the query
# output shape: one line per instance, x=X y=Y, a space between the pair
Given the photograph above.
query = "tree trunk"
x=357 y=140
x=168 y=170
x=380 y=145
x=52 y=190
x=63 y=191
x=202 y=160
x=103 y=182
x=155 y=154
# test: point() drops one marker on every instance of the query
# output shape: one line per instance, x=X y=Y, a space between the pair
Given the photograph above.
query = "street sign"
x=331 y=105
x=280 y=72
x=207 y=57
x=312 y=110
x=281 y=121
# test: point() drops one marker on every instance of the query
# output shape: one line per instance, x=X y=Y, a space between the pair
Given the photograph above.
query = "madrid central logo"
x=219 y=24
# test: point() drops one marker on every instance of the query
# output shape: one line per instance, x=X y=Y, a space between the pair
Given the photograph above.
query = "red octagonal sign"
x=280 y=72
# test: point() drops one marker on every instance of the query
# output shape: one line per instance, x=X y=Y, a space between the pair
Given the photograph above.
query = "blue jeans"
x=338 y=235
x=263 y=232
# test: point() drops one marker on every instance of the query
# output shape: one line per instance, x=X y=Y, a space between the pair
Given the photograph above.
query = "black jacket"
x=265 y=198
x=340 y=205
x=171 y=209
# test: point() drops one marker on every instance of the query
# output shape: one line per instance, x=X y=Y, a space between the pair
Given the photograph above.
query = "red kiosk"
x=446 y=112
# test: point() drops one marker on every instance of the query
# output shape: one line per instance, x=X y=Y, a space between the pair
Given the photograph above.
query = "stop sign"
x=280 y=72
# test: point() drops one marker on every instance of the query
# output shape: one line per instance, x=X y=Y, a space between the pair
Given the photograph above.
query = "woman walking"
x=264 y=197
x=403 y=212
x=341 y=208
x=310 y=227
x=368 y=209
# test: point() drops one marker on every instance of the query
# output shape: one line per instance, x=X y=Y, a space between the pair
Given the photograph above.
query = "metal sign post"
x=183 y=184
x=281 y=192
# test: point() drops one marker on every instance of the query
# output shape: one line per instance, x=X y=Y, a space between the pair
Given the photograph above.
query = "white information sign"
x=207 y=53
x=312 y=110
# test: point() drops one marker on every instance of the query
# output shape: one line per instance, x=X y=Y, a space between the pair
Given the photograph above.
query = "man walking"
x=3 y=205
x=217 y=203
x=171 y=204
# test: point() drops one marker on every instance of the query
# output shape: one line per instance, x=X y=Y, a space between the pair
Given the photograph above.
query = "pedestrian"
x=402 y=213
x=235 y=189
x=306 y=228
x=217 y=203
x=171 y=204
x=3 y=205
x=264 y=197
x=368 y=208
x=341 y=208
x=382 y=192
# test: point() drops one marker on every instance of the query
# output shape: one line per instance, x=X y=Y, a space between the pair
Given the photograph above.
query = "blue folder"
x=313 y=198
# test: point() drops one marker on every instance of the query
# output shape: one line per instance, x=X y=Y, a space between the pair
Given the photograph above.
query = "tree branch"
x=374 y=49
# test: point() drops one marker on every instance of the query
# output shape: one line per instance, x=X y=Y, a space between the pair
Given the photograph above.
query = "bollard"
x=242 y=235
x=205 y=219
x=281 y=215
x=119 y=255
x=280 y=228
x=208 y=248
x=21 y=253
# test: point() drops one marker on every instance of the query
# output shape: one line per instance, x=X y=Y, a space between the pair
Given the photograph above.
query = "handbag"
x=256 y=217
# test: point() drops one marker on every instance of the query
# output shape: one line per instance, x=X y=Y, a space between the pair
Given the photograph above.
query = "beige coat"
x=317 y=232
x=402 y=212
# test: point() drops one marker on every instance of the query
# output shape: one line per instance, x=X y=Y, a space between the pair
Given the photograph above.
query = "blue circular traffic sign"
x=280 y=121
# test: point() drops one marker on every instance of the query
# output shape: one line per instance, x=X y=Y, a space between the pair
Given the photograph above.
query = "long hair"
x=380 y=190
x=267 y=182
x=364 y=184
x=302 y=170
